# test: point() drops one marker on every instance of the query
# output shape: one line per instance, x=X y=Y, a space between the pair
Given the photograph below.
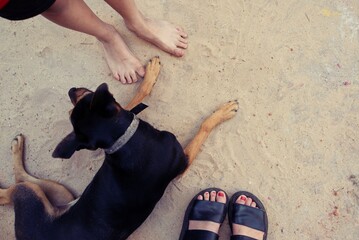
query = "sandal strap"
x=200 y=234
x=240 y=237
x=208 y=211
x=249 y=216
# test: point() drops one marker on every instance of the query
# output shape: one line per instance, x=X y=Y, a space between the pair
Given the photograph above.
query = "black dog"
x=140 y=162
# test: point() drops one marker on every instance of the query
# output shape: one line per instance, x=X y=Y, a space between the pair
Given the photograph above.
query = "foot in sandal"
x=204 y=215
x=247 y=217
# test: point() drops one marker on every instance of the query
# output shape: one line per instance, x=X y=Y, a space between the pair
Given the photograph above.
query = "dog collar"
x=125 y=137
x=138 y=108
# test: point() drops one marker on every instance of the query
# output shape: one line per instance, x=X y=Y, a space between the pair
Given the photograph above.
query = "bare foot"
x=163 y=34
x=208 y=225
x=244 y=230
x=123 y=64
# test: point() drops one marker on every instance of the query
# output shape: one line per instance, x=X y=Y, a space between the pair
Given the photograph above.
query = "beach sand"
x=292 y=65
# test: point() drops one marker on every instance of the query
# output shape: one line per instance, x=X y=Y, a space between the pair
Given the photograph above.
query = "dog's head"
x=92 y=117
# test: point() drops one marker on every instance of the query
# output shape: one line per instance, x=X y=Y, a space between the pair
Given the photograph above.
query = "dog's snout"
x=76 y=94
x=72 y=92
x=72 y=95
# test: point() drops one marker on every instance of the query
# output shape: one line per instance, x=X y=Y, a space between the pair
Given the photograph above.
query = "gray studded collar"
x=121 y=141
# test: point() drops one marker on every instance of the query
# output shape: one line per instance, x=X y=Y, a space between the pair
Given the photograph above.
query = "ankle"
x=133 y=26
x=108 y=35
x=136 y=24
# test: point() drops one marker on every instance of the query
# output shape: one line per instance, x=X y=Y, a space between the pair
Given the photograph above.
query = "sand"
x=292 y=65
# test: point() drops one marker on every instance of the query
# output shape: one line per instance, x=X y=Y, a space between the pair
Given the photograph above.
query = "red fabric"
x=3 y=3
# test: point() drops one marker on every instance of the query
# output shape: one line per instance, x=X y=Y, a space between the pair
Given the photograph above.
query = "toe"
x=241 y=200
x=213 y=196
x=133 y=77
x=128 y=78
x=181 y=32
x=253 y=204
x=116 y=76
x=122 y=79
x=141 y=71
x=178 y=52
x=221 y=197
x=181 y=45
x=206 y=196
x=183 y=40
x=248 y=201
x=200 y=197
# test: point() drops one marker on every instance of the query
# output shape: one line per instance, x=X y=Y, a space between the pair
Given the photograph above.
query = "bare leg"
x=56 y=193
x=76 y=15
x=152 y=71
x=163 y=34
x=227 y=111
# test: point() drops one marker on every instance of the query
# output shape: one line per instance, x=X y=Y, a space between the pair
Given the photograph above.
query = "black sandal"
x=251 y=217
x=203 y=211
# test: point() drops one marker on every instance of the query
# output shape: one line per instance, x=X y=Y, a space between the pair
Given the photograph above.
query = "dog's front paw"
x=223 y=113
x=227 y=110
x=17 y=144
x=152 y=70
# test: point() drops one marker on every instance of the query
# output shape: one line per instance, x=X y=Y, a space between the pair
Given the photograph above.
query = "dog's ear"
x=67 y=147
x=103 y=102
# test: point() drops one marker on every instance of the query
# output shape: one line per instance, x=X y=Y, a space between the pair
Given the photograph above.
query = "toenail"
x=221 y=194
x=243 y=198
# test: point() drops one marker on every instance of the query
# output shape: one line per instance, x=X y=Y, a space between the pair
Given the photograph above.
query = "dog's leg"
x=5 y=195
x=57 y=193
x=22 y=191
x=152 y=71
x=32 y=209
x=225 y=112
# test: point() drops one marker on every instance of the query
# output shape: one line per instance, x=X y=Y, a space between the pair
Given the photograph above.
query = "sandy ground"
x=292 y=65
